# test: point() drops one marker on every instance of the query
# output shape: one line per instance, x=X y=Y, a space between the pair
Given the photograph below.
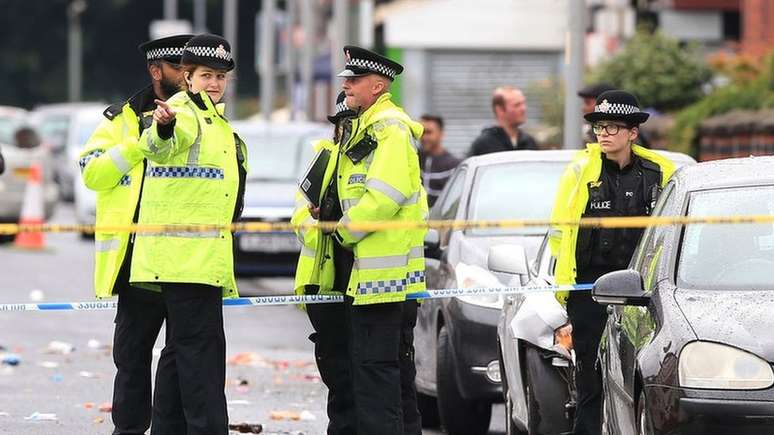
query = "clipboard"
x=311 y=183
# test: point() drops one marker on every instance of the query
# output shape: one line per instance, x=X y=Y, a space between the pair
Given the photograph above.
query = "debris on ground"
x=239 y=402
x=49 y=364
x=285 y=415
x=57 y=377
x=60 y=347
x=98 y=420
x=40 y=416
x=11 y=359
x=307 y=416
x=88 y=405
x=85 y=374
x=105 y=407
x=97 y=345
x=246 y=427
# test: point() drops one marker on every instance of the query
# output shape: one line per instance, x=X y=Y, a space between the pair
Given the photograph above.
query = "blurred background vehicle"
x=277 y=153
x=57 y=125
x=21 y=148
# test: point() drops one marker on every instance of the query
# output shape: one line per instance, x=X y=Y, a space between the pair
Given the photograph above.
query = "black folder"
x=311 y=183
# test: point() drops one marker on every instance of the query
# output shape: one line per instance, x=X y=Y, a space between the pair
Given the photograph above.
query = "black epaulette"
x=113 y=110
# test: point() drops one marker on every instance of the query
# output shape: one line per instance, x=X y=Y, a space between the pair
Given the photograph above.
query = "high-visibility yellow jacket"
x=194 y=177
x=571 y=199
x=112 y=165
x=378 y=179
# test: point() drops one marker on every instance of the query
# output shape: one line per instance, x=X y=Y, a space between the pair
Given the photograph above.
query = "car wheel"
x=547 y=393
x=643 y=421
x=459 y=416
x=428 y=409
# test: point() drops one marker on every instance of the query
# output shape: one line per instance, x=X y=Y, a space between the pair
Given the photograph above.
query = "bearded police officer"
x=613 y=177
x=113 y=166
x=374 y=176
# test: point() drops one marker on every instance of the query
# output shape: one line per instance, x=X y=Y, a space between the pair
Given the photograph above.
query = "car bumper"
x=474 y=342
x=703 y=412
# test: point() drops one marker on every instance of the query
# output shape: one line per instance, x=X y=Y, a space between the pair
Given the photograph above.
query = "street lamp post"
x=74 y=50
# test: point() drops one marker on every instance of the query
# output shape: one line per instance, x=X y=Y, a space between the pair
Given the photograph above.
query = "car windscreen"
x=86 y=128
x=728 y=256
x=278 y=156
x=514 y=190
x=8 y=126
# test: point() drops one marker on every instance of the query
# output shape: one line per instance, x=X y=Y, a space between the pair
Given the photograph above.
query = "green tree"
x=662 y=74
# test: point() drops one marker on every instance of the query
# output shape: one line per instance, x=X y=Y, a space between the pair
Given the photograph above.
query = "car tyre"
x=546 y=404
x=459 y=416
x=428 y=409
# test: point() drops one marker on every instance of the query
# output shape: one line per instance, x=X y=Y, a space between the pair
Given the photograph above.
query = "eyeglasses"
x=611 y=129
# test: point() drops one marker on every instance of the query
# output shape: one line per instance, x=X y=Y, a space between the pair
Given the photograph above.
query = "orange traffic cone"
x=32 y=210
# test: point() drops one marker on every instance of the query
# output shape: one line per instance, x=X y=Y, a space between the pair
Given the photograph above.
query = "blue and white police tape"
x=305 y=299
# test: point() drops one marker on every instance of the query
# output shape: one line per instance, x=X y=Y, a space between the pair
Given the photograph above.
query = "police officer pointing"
x=613 y=177
x=113 y=166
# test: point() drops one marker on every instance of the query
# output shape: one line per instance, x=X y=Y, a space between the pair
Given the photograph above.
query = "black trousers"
x=138 y=322
x=191 y=374
x=588 y=322
x=334 y=361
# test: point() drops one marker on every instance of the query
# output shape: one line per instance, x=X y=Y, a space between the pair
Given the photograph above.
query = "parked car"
x=83 y=123
x=277 y=153
x=458 y=370
x=535 y=339
x=21 y=148
x=55 y=123
x=535 y=345
x=688 y=346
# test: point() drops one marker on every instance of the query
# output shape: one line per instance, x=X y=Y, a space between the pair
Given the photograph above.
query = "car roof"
x=68 y=107
x=11 y=111
x=727 y=173
x=521 y=156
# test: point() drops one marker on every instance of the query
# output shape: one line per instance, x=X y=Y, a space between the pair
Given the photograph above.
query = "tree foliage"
x=662 y=74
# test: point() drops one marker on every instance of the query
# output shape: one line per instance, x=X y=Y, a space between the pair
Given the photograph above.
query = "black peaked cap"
x=169 y=48
x=209 y=50
x=361 y=62
x=617 y=105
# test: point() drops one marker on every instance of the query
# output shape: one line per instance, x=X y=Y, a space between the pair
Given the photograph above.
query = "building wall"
x=757 y=23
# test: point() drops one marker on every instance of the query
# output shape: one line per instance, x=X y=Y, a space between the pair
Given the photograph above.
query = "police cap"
x=361 y=62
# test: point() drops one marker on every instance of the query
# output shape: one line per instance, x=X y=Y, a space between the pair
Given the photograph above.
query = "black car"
x=688 y=346
x=458 y=371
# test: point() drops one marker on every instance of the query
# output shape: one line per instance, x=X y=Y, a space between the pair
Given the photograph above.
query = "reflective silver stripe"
x=304 y=228
x=417 y=252
x=193 y=153
x=386 y=262
x=554 y=233
x=152 y=146
x=119 y=160
x=378 y=126
x=347 y=204
x=301 y=202
x=356 y=235
x=412 y=199
x=307 y=252
x=186 y=234
x=438 y=175
x=106 y=245
x=389 y=191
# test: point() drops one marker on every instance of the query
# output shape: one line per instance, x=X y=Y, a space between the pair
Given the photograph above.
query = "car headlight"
x=470 y=276
x=717 y=366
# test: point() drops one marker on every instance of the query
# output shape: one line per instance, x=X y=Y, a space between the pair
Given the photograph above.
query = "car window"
x=54 y=129
x=728 y=256
x=278 y=156
x=450 y=202
x=8 y=126
x=85 y=129
x=652 y=242
x=514 y=190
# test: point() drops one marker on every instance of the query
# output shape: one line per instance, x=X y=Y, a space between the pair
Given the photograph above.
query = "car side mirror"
x=433 y=244
x=622 y=287
x=511 y=259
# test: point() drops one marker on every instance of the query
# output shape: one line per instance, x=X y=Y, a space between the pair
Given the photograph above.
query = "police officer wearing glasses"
x=612 y=177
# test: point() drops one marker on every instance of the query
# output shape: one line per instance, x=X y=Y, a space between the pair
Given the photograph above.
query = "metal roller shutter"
x=461 y=85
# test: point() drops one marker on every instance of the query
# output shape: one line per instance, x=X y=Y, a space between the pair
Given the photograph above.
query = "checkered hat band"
x=341 y=107
x=616 y=109
x=184 y=172
x=373 y=66
x=161 y=53
x=210 y=52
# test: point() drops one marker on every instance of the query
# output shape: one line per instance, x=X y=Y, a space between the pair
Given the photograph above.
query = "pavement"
x=65 y=370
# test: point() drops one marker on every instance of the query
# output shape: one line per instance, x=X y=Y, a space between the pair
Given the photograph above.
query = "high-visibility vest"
x=192 y=178
x=571 y=199
x=111 y=164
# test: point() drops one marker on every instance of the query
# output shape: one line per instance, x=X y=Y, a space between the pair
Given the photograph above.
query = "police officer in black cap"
x=611 y=177
x=589 y=94
x=113 y=166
